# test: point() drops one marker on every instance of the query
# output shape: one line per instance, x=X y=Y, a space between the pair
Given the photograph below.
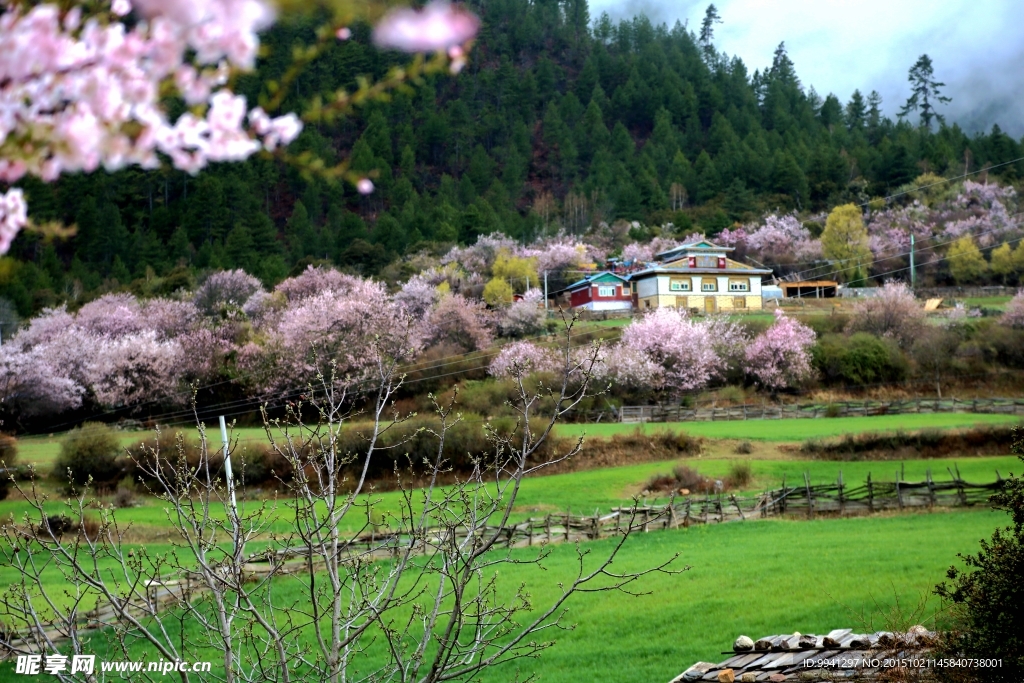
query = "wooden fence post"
x=738 y=508
x=871 y=495
x=931 y=488
x=810 y=500
x=960 y=486
x=842 y=503
x=899 y=494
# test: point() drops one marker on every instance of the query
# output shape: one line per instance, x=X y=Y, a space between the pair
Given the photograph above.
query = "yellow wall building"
x=699 y=276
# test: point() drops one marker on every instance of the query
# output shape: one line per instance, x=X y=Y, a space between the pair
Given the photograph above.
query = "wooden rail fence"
x=801 y=500
x=764 y=411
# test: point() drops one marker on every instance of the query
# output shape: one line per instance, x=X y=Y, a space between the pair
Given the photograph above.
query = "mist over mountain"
x=842 y=46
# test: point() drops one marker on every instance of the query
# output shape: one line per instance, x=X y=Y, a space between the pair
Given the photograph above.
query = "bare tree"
x=314 y=586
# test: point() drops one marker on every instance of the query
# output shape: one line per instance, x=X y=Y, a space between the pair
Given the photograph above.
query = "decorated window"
x=711 y=286
x=739 y=286
x=606 y=291
x=679 y=285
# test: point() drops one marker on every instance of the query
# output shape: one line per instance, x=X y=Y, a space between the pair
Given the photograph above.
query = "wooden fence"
x=765 y=411
x=802 y=500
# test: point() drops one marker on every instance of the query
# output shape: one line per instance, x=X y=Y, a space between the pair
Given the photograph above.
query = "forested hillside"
x=557 y=123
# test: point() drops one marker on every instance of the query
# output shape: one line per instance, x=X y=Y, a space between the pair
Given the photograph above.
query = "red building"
x=602 y=291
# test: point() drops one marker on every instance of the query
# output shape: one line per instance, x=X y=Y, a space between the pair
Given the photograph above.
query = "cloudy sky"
x=977 y=46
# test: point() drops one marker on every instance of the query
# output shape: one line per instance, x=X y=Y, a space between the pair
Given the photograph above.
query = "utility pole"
x=913 y=271
x=545 y=290
x=227 y=466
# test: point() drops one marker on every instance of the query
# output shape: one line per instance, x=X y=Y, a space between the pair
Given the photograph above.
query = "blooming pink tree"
x=417 y=296
x=522 y=358
x=327 y=332
x=665 y=349
x=892 y=312
x=1013 y=316
x=226 y=289
x=524 y=317
x=780 y=357
x=459 y=321
x=115 y=352
x=313 y=281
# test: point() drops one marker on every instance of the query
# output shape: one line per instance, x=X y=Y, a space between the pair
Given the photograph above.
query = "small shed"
x=842 y=654
x=810 y=289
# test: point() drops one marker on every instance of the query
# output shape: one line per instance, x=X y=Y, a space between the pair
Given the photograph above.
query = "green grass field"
x=796 y=429
x=998 y=302
x=602 y=489
x=754 y=578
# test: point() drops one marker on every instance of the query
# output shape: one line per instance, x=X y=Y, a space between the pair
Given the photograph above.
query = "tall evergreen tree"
x=925 y=93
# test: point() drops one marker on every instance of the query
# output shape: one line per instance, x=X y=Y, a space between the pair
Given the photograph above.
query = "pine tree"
x=707 y=30
x=925 y=93
x=856 y=111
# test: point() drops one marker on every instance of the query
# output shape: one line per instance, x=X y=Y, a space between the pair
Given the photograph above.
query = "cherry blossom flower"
x=522 y=358
x=780 y=356
x=82 y=92
x=438 y=26
x=13 y=216
x=524 y=317
x=892 y=312
x=1013 y=316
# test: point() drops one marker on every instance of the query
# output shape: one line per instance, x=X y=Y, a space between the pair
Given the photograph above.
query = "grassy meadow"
x=756 y=578
x=795 y=429
x=43 y=450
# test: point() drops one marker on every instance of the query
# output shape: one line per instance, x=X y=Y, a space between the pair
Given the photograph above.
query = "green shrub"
x=858 y=359
x=987 y=596
x=411 y=446
x=827 y=324
x=1007 y=345
x=89 y=451
x=928 y=443
x=740 y=474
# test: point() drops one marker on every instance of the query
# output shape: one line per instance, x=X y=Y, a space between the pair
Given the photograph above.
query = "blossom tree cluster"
x=780 y=357
x=522 y=358
x=114 y=352
x=667 y=350
x=123 y=353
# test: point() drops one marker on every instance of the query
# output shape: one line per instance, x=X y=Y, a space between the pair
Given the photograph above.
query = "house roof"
x=603 y=276
x=842 y=653
x=702 y=245
x=667 y=270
